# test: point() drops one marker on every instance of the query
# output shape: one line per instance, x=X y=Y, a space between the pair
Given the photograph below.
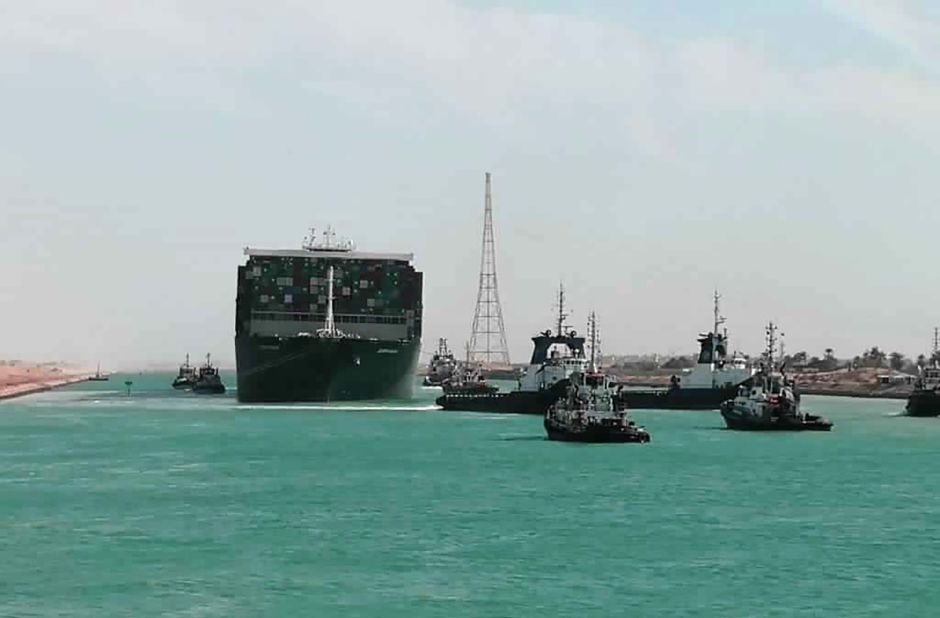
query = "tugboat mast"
x=592 y=334
x=719 y=319
x=771 y=331
x=562 y=316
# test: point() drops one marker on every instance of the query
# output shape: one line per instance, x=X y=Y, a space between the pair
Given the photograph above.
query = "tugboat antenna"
x=936 y=340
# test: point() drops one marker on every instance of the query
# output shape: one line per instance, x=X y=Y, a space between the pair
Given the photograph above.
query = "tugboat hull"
x=513 y=402
x=923 y=403
x=209 y=389
x=736 y=420
x=597 y=434
x=677 y=398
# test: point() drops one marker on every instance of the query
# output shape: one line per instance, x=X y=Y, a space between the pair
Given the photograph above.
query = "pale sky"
x=643 y=153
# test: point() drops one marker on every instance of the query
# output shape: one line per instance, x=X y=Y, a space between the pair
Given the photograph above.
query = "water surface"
x=163 y=503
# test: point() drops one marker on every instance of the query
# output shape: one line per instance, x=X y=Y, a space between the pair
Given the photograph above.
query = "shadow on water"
x=524 y=439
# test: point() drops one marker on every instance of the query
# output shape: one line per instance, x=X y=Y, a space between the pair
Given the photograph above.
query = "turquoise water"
x=165 y=504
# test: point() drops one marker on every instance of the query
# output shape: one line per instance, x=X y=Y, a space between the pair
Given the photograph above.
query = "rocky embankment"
x=843 y=383
x=855 y=383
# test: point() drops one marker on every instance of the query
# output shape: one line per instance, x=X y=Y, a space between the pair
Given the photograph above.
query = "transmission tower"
x=488 y=336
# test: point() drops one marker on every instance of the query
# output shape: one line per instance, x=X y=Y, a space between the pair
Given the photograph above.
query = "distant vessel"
x=442 y=365
x=767 y=401
x=589 y=411
x=368 y=310
x=186 y=377
x=554 y=358
x=208 y=381
x=99 y=377
x=714 y=378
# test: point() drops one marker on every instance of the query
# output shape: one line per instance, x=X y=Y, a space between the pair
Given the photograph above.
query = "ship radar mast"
x=327 y=241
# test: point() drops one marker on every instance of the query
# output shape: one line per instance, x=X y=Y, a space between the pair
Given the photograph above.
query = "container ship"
x=326 y=322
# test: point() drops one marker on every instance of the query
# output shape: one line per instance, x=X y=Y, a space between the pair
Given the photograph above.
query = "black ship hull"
x=312 y=369
x=513 y=402
x=742 y=422
x=677 y=398
x=923 y=403
x=597 y=434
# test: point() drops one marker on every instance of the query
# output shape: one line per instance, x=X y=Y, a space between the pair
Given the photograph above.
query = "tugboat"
x=98 y=377
x=589 y=410
x=767 y=402
x=442 y=365
x=714 y=379
x=554 y=358
x=925 y=399
x=208 y=382
x=186 y=377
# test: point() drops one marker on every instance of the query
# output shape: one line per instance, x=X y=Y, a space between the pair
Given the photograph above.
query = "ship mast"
x=329 y=327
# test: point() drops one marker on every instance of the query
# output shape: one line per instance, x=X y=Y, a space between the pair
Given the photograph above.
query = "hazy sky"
x=642 y=152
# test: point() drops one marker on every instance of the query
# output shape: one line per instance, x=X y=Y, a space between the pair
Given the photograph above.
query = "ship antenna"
x=936 y=340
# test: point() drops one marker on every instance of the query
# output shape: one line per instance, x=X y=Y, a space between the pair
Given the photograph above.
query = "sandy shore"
x=23 y=379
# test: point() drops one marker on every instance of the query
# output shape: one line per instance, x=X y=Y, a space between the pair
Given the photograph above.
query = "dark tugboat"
x=925 y=399
x=442 y=365
x=554 y=358
x=714 y=379
x=186 y=377
x=767 y=402
x=208 y=381
x=588 y=412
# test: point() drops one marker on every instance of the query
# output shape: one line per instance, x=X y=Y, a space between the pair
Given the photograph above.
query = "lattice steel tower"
x=488 y=336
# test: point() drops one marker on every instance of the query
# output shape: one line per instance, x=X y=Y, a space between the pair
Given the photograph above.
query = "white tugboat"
x=589 y=412
x=555 y=358
x=714 y=379
x=442 y=365
x=767 y=402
